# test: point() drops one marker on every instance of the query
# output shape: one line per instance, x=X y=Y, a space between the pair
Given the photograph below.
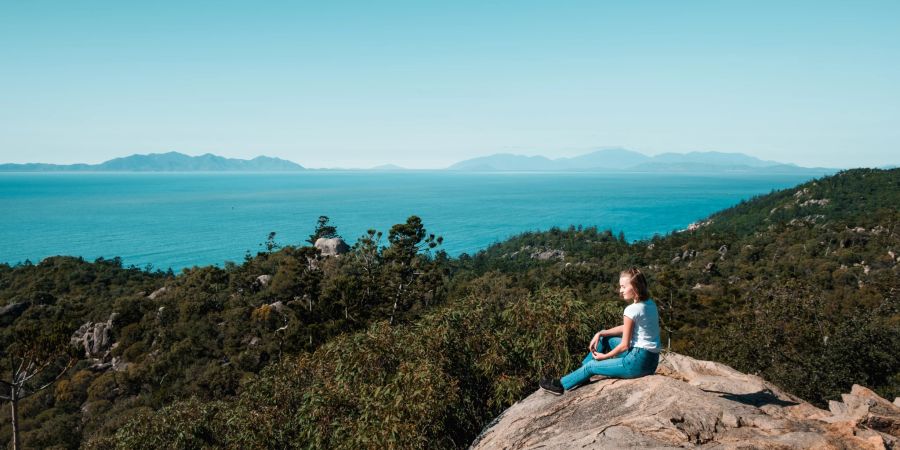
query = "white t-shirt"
x=646 y=325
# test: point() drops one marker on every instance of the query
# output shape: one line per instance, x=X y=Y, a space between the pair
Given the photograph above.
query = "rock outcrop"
x=332 y=246
x=547 y=255
x=864 y=407
x=692 y=403
x=262 y=281
x=12 y=311
x=157 y=293
x=96 y=340
x=697 y=225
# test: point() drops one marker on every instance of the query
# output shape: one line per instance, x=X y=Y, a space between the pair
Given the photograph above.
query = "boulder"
x=263 y=280
x=95 y=338
x=332 y=246
x=865 y=408
x=12 y=311
x=153 y=295
x=697 y=225
x=116 y=363
x=260 y=282
x=687 y=403
x=819 y=202
x=723 y=250
x=548 y=255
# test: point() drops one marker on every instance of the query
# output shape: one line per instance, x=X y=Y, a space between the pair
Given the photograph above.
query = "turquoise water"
x=179 y=220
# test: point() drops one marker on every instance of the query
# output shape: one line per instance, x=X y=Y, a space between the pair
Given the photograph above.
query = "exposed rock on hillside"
x=697 y=225
x=538 y=253
x=692 y=403
x=547 y=255
x=819 y=202
x=13 y=310
x=262 y=281
x=157 y=293
x=332 y=246
x=96 y=340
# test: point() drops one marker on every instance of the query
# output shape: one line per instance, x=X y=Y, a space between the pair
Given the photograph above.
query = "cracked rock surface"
x=690 y=403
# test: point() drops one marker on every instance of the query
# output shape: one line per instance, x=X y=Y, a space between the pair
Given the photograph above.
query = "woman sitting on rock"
x=629 y=350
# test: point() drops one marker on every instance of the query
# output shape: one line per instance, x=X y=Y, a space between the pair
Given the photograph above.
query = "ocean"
x=178 y=220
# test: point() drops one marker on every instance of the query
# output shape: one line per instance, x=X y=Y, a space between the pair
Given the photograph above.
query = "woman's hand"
x=593 y=345
x=598 y=356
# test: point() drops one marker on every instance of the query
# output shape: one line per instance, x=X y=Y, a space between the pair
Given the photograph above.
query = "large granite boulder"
x=332 y=246
x=691 y=403
x=262 y=281
x=95 y=338
x=864 y=407
x=11 y=312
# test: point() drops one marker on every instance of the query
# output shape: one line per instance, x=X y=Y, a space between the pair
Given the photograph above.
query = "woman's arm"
x=627 y=328
x=615 y=331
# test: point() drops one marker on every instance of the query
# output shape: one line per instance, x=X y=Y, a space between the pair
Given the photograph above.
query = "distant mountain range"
x=619 y=159
x=165 y=162
x=603 y=160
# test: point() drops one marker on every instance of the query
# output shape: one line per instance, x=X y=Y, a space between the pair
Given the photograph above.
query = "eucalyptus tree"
x=35 y=359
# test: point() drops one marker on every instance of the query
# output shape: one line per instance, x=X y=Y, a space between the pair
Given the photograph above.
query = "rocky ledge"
x=690 y=403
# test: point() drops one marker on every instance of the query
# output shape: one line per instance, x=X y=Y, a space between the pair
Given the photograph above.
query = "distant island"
x=165 y=162
x=618 y=159
x=602 y=160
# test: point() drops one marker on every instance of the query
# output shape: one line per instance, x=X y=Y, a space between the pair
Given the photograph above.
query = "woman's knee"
x=604 y=344
x=587 y=359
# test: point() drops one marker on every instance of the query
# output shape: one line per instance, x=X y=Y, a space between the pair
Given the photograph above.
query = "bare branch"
x=36 y=371
x=69 y=365
x=18 y=369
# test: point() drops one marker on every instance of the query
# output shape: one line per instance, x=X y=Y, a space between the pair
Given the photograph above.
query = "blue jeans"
x=632 y=363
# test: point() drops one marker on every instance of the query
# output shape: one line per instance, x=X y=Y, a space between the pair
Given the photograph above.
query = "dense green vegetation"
x=395 y=344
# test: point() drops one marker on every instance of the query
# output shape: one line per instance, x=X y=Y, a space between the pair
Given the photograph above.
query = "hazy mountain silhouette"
x=165 y=162
x=615 y=159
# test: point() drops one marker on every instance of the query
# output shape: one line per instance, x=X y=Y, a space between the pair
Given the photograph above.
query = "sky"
x=425 y=84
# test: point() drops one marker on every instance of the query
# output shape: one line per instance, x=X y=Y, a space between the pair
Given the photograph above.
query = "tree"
x=38 y=356
x=271 y=245
x=323 y=230
x=406 y=240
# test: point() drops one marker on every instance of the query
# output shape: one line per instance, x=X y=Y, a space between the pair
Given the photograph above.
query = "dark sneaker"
x=552 y=386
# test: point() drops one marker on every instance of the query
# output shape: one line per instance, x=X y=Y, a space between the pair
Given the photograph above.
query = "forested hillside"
x=396 y=344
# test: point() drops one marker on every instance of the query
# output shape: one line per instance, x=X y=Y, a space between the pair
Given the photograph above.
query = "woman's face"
x=625 y=288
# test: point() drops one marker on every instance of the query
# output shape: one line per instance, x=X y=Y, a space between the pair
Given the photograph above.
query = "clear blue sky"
x=424 y=84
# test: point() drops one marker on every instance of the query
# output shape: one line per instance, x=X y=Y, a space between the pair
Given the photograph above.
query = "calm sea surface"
x=179 y=220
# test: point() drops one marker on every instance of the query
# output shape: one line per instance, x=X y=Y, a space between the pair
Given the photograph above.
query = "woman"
x=629 y=350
